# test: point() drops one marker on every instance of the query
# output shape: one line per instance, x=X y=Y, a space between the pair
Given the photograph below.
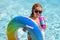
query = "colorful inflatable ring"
x=23 y=22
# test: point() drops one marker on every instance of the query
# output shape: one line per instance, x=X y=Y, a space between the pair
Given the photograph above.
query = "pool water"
x=12 y=8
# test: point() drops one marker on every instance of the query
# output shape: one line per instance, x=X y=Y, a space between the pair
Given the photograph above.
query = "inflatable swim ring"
x=23 y=22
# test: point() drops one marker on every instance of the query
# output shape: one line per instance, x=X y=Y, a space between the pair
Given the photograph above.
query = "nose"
x=38 y=13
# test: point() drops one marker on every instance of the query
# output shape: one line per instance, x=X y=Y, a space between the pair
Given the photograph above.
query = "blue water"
x=12 y=8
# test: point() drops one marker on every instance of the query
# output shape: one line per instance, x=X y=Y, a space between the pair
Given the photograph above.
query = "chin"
x=37 y=16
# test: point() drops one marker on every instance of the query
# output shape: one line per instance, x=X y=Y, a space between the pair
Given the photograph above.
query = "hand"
x=24 y=29
x=29 y=38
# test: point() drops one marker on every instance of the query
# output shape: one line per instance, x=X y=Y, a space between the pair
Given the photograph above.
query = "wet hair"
x=34 y=6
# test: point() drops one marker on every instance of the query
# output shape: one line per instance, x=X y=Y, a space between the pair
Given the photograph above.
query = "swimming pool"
x=12 y=8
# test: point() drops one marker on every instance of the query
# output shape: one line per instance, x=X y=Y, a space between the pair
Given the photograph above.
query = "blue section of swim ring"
x=35 y=32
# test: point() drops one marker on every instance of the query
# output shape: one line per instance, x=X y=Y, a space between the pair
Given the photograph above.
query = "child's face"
x=37 y=11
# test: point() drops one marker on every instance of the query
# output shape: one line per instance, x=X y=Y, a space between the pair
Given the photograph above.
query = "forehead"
x=38 y=8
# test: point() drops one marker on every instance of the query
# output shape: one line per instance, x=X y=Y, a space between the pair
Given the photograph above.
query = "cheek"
x=34 y=13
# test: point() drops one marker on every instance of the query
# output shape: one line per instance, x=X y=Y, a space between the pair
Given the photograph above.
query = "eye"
x=40 y=11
